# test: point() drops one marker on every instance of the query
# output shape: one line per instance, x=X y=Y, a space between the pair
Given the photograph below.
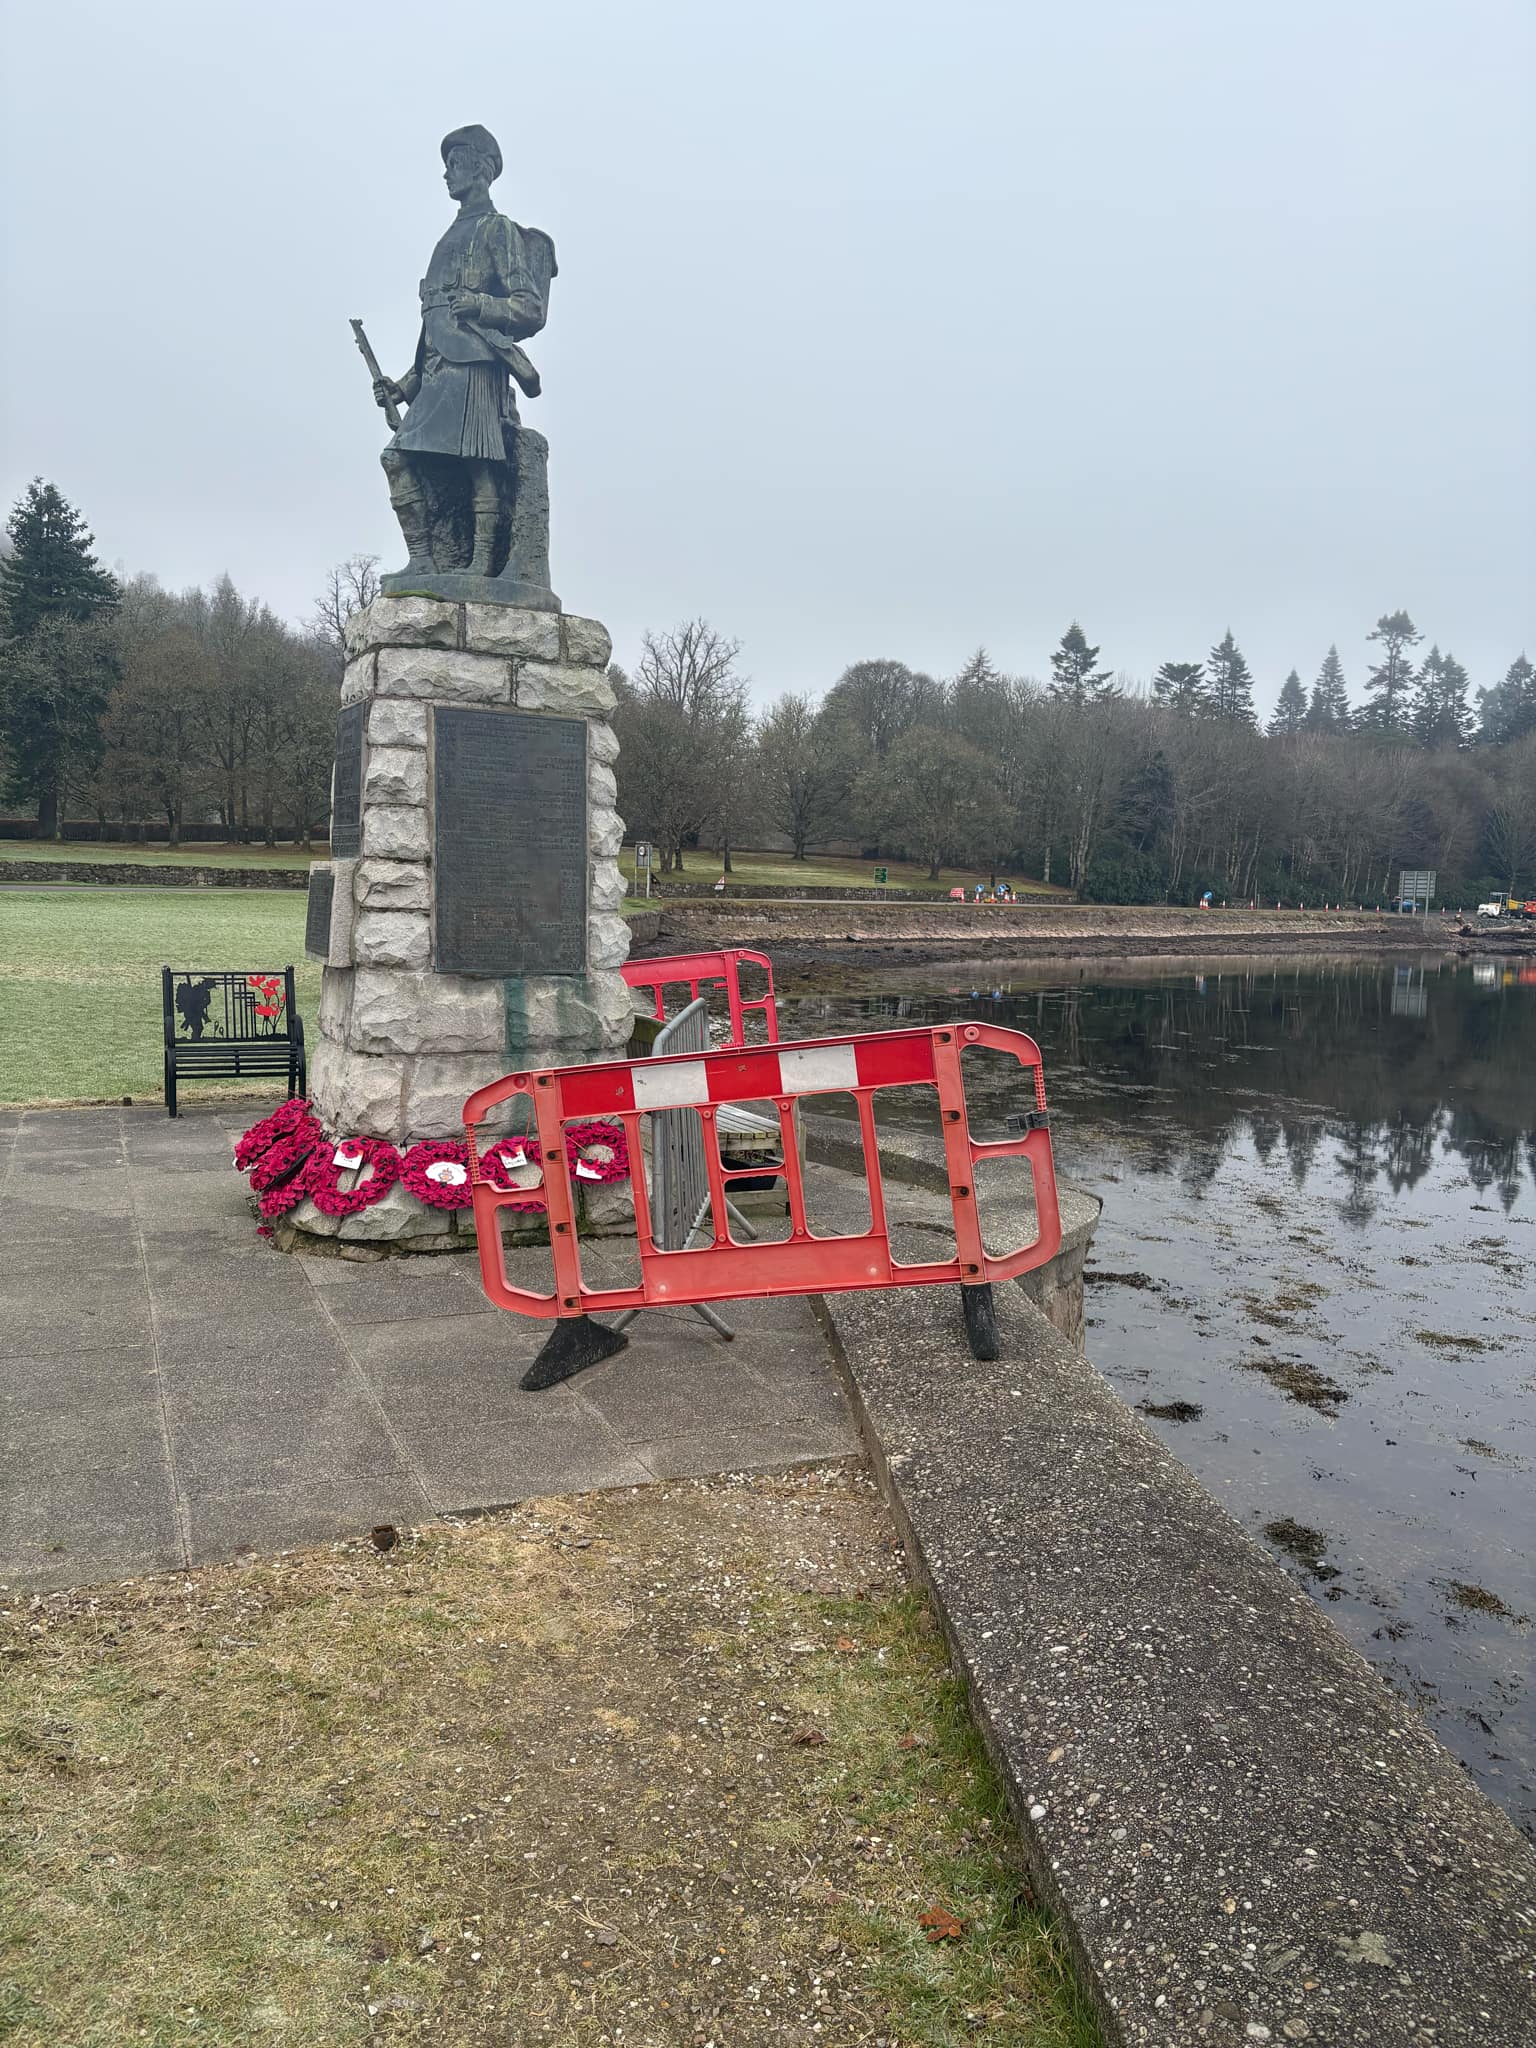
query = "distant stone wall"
x=666 y=886
x=109 y=874
x=704 y=923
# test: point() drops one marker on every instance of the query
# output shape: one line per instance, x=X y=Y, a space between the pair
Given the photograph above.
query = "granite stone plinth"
x=401 y=1043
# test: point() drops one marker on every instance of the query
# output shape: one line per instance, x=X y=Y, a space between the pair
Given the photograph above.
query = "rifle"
x=391 y=410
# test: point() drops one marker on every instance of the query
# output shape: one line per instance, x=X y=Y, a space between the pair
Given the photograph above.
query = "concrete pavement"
x=174 y=1391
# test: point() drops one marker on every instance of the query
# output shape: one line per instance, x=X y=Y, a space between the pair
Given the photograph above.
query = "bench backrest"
x=235 y=1006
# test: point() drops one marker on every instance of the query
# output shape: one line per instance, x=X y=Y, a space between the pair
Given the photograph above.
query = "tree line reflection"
x=1389 y=1066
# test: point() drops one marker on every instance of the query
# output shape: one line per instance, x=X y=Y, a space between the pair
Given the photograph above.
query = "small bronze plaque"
x=509 y=842
x=317 y=918
x=347 y=791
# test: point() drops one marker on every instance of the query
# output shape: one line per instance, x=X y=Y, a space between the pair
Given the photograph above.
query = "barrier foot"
x=980 y=1320
x=571 y=1346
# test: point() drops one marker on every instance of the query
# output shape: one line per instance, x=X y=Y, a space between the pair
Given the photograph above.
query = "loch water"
x=1315 y=1274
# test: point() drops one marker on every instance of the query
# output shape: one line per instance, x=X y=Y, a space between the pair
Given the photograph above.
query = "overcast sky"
x=879 y=329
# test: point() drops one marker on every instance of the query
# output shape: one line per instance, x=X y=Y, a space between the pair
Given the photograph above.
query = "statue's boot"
x=409 y=498
x=487 y=508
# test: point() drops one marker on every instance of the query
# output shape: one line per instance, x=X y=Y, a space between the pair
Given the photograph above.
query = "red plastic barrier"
x=703 y=971
x=726 y=1269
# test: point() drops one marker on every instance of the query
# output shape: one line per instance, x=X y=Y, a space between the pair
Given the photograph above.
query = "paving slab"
x=192 y=1394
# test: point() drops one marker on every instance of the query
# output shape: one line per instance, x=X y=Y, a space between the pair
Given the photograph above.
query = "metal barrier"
x=725 y=1268
x=701 y=971
x=680 y=1197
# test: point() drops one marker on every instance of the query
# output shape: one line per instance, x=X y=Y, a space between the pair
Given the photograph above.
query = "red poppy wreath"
x=287 y=1118
x=436 y=1172
x=375 y=1159
x=597 y=1152
x=511 y=1165
x=283 y=1158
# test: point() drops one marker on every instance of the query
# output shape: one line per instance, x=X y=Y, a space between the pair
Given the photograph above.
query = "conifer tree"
x=52 y=573
x=1074 y=678
x=1291 y=711
x=1230 y=690
x=1509 y=708
x=1439 y=713
x=1181 y=686
x=1329 y=709
x=1387 y=685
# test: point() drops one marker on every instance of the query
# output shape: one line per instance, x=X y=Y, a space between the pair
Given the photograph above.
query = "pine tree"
x=1509 y=708
x=1291 y=711
x=979 y=673
x=52 y=573
x=1329 y=709
x=1073 y=677
x=1439 y=714
x=1388 y=683
x=1230 y=691
x=1181 y=686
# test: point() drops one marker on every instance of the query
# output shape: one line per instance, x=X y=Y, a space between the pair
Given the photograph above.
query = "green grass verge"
x=80 y=979
x=780 y=870
x=597 y=1770
x=200 y=856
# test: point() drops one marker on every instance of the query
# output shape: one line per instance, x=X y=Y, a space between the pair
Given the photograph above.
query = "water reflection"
x=1313 y=1275
x=1400 y=1059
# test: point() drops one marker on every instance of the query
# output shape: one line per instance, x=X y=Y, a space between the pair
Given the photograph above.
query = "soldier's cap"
x=479 y=139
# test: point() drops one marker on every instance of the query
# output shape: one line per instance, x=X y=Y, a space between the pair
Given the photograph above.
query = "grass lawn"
x=80 y=980
x=199 y=856
x=779 y=870
x=661 y=1767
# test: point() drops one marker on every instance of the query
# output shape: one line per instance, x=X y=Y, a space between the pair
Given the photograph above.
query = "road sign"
x=1416 y=888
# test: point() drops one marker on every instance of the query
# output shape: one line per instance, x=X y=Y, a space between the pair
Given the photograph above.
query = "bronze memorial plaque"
x=347 y=790
x=317 y=920
x=509 y=842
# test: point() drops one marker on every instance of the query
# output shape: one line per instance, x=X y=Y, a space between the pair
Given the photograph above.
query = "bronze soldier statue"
x=468 y=481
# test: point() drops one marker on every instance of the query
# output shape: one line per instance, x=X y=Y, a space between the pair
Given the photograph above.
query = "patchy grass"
x=202 y=855
x=781 y=871
x=80 y=980
x=680 y=1765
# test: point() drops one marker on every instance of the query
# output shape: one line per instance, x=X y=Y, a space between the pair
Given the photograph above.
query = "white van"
x=1494 y=909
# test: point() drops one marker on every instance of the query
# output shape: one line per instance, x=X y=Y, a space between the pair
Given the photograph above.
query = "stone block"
x=395 y=832
x=438 y=1087
x=605 y=885
x=507 y=629
x=396 y=775
x=566 y=1017
x=397 y=1215
x=358 y=680
x=338 y=944
x=602 y=785
x=425 y=1013
x=608 y=1207
x=397 y=722
x=607 y=939
x=393 y=885
x=335 y=1003
x=404 y=622
x=448 y=677
x=605 y=832
x=584 y=642
x=353 y=1093
x=307 y=1217
x=602 y=742
x=392 y=938
x=556 y=686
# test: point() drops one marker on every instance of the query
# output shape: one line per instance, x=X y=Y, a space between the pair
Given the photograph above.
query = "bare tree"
x=682 y=725
x=350 y=586
x=803 y=772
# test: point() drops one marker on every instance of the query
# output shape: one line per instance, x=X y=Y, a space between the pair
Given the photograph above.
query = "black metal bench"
x=235 y=1025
